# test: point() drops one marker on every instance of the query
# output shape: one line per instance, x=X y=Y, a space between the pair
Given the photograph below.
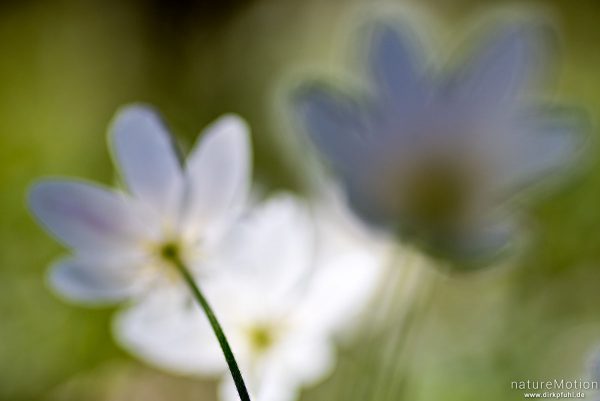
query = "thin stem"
x=231 y=362
x=402 y=304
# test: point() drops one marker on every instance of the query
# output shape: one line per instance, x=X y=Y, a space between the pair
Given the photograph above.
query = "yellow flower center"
x=163 y=259
x=261 y=337
x=169 y=251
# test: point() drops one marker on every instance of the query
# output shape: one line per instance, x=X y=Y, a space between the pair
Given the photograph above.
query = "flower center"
x=169 y=251
x=261 y=337
x=437 y=195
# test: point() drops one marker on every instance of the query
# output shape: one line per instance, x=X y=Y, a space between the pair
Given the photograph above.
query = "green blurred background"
x=66 y=66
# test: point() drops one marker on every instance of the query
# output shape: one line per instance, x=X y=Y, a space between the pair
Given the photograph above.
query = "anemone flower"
x=172 y=219
x=284 y=299
x=435 y=157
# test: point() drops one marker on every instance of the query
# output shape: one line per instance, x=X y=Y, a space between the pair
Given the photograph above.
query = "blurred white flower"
x=122 y=242
x=436 y=159
x=281 y=296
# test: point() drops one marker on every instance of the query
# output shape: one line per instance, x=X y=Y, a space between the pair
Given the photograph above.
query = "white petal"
x=341 y=289
x=228 y=391
x=348 y=269
x=335 y=124
x=218 y=174
x=397 y=67
x=297 y=361
x=146 y=154
x=85 y=216
x=304 y=360
x=93 y=283
x=270 y=388
x=341 y=227
x=272 y=250
x=168 y=330
x=508 y=65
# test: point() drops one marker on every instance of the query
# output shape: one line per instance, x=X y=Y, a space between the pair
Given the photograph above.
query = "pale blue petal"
x=549 y=143
x=85 y=216
x=488 y=240
x=146 y=154
x=91 y=283
x=476 y=246
x=336 y=126
x=397 y=67
x=218 y=174
x=507 y=65
x=363 y=200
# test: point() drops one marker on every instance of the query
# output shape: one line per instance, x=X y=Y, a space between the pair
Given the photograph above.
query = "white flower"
x=436 y=159
x=281 y=298
x=121 y=242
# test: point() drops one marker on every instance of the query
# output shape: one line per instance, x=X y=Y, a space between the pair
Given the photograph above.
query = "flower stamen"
x=170 y=251
x=261 y=337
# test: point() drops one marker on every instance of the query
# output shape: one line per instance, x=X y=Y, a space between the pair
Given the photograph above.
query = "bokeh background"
x=66 y=66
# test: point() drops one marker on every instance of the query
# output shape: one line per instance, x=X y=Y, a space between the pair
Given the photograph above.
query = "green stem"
x=233 y=366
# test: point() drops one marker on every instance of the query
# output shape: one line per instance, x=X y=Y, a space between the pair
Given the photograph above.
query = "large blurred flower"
x=123 y=243
x=434 y=159
x=281 y=298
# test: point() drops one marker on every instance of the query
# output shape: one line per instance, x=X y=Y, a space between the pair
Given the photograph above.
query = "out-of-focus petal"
x=457 y=141
x=218 y=173
x=305 y=361
x=146 y=155
x=85 y=216
x=349 y=266
x=168 y=330
x=508 y=65
x=336 y=126
x=270 y=388
x=341 y=289
x=397 y=67
x=93 y=282
x=546 y=144
x=366 y=200
x=273 y=248
x=484 y=242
